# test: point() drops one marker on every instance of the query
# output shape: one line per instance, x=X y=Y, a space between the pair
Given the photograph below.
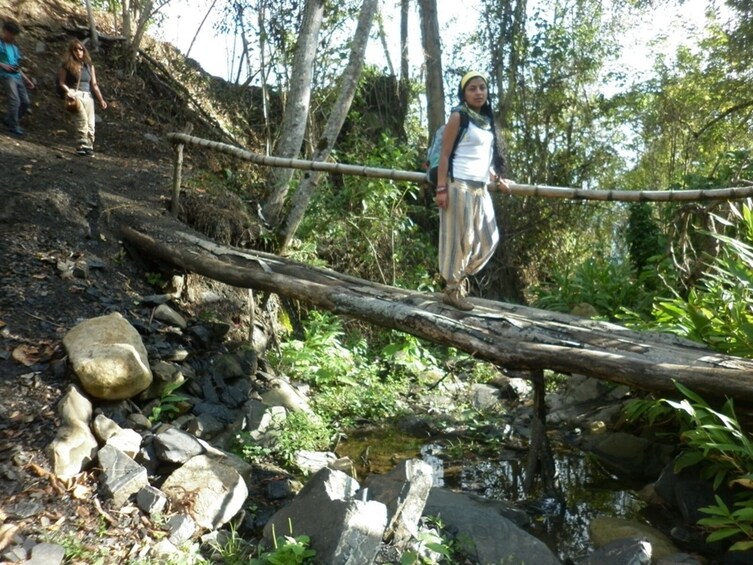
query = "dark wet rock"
x=147 y=456
x=230 y=366
x=687 y=491
x=680 y=559
x=629 y=456
x=156 y=299
x=283 y=488
x=204 y=426
x=218 y=411
x=168 y=377
x=236 y=395
x=489 y=536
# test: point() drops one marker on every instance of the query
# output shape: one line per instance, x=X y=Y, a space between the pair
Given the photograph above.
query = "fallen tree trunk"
x=511 y=336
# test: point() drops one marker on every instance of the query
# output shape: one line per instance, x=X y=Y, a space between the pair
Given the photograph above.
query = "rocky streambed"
x=146 y=427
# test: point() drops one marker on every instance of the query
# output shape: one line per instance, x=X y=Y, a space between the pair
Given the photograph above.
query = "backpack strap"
x=461 y=132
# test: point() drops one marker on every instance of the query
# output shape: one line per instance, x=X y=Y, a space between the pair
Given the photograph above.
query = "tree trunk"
x=296 y=112
x=127 y=24
x=201 y=25
x=404 y=60
x=433 y=57
x=510 y=336
x=142 y=19
x=348 y=87
x=92 y=27
x=385 y=47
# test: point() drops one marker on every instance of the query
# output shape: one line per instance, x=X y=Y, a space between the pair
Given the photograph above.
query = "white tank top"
x=473 y=155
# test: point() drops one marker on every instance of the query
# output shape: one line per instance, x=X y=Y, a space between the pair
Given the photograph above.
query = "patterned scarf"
x=479 y=120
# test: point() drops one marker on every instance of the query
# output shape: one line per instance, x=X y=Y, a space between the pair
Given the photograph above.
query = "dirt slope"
x=60 y=263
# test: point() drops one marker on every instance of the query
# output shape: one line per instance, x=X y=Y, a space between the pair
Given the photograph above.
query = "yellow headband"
x=468 y=76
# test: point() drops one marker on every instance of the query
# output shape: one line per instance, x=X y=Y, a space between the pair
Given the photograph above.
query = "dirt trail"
x=60 y=263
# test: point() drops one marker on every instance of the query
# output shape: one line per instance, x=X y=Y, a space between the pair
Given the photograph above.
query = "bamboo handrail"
x=544 y=191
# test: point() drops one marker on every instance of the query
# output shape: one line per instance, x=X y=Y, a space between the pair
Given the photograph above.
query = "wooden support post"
x=177 y=174
x=178 y=171
x=540 y=458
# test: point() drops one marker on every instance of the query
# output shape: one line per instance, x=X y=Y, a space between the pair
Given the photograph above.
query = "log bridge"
x=511 y=336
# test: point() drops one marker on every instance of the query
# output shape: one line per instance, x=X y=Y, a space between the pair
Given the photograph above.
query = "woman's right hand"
x=441 y=198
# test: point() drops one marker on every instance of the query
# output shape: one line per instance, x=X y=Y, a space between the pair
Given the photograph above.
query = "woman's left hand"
x=503 y=185
x=103 y=104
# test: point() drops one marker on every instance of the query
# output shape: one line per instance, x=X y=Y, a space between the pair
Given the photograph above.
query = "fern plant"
x=714 y=441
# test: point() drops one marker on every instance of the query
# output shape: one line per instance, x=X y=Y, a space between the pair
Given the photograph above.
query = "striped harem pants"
x=468 y=232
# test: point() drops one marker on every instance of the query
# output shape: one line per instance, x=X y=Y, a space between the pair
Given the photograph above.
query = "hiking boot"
x=81 y=150
x=18 y=132
x=453 y=295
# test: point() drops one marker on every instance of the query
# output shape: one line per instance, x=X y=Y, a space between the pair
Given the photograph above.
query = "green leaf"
x=741 y=546
x=688 y=459
x=723 y=533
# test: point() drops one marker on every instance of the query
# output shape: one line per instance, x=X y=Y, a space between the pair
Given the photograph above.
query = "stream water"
x=588 y=491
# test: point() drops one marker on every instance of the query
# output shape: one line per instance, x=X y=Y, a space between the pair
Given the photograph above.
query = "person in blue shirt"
x=15 y=83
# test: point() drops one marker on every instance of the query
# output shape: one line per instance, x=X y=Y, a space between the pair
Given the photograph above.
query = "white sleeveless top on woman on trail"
x=473 y=155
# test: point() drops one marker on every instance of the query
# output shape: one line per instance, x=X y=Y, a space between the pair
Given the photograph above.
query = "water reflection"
x=430 y=454
x=588 y=492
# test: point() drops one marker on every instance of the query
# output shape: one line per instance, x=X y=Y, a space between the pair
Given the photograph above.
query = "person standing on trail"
x=15 y=83
x=77 y=80
x=470 y=160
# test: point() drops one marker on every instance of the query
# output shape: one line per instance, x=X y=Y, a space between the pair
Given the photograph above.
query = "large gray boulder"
x=403 y=491
x=495 y=538
x=343 y=530
x=108 y=357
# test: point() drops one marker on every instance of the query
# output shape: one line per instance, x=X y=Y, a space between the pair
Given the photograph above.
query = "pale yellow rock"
x=605 y=529
x=108 y=357
x=74 y=446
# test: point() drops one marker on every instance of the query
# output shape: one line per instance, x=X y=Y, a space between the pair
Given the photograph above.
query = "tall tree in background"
x=92 y=27
x=545 y=65
x=432 y=47
x=296 y=112
x=404 y=55
x=692 y=124
x=137 y=14
x=347 y=89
